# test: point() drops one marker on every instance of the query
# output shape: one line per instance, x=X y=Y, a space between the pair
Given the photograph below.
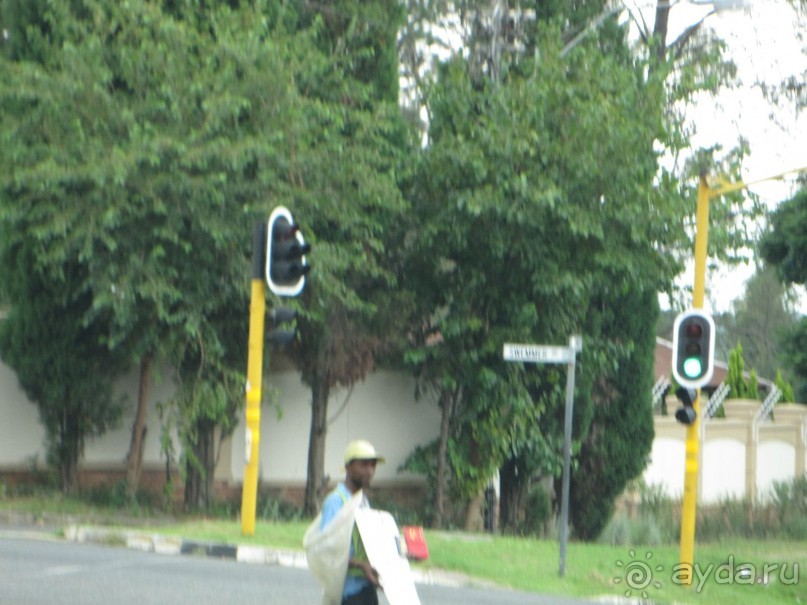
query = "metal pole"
x=691 y=462
x=705 y=193
x=257 y=311
x=701 y=242
x=574 y=346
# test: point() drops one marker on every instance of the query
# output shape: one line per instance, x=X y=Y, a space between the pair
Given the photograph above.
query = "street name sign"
x=537 y=353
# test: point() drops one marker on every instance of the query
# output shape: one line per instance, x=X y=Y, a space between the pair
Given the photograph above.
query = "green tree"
x=516 y=176
x=24 y=24
x=144 y=147
x=350 y=147
x=784 y=246
x=188 y=121
x=759 y=320
x=58 y=360
x=788 y=396
x=752 y=391
x=616 y=448
x=523 y=225
x=734 y=377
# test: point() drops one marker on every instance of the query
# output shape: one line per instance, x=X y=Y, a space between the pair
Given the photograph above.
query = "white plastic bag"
x=328 y=550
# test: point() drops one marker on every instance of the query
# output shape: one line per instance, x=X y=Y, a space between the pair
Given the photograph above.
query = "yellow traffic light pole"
x=257 y=311
x=689 y=506
x=692 y=448
x=281 y=227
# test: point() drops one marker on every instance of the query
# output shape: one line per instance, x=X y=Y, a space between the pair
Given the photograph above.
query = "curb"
x=167 y=545
x=255 y=555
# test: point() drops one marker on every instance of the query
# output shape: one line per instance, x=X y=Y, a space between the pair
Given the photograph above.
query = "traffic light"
x=277 y=317
x=686 y=413
x=693 y=348
x=286 y=267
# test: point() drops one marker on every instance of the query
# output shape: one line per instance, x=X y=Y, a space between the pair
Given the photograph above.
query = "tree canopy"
x=784 y=247
x=139 y=142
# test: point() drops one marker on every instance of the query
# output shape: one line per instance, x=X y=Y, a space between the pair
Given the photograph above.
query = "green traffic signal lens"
x=692 y=367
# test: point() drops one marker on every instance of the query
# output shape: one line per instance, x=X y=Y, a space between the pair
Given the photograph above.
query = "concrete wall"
x=382 y=409
x=740 y=455
x=21 y=436
x=111 y=448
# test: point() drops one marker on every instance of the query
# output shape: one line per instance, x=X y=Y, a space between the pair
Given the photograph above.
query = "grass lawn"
x=600 y=570
x=776 y=574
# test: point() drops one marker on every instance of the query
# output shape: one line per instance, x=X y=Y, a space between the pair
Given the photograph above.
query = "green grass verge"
x=592 y=570
x=284 y=536
x=647 y=573
x=644 y=573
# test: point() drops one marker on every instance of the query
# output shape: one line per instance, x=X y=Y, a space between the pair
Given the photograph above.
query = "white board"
x=380 y=536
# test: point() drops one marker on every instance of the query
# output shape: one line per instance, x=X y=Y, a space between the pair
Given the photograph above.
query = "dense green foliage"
x=59 y=361
x=538 y=210
x=761 y=321
x=784 y=247
x=140 y=141
x=616 y=448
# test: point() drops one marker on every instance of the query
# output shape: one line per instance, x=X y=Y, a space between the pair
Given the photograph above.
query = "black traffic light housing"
x=686 y=413
x=286 y=266
x=278 y=316
x=693 y=348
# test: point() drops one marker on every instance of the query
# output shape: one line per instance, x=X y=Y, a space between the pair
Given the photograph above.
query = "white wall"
x=722 y=467
x=776 y=462
x=723 y=470
x=21 y=435
x=381 y=409
x=113 y=446
x=666 y=466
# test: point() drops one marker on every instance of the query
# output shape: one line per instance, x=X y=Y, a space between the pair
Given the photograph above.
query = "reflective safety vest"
x=359 y=553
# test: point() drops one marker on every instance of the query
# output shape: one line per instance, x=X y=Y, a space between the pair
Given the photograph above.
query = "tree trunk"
x=69 y=451
x=513 y=494
x=200 y=469
x=315 y=480
x=446 y=401
x=134 y=459
x=660 y=30
x=474 y=514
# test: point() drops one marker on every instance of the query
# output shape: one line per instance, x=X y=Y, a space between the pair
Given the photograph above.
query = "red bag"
x=415 y=543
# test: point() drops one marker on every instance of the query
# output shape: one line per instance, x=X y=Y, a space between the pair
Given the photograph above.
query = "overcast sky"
x=766 y=41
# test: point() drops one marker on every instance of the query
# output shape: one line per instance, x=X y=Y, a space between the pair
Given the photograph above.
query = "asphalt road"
x=53 y=572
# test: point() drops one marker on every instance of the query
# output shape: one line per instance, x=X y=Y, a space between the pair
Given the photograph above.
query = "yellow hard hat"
x=361 y=450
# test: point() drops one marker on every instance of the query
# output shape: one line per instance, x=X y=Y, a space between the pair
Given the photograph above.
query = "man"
x=360 y=464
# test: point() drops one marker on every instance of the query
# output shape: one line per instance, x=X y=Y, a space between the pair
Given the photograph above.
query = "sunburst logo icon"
x=638 y=575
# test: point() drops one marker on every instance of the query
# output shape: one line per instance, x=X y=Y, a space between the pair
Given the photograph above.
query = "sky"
x=765 y=39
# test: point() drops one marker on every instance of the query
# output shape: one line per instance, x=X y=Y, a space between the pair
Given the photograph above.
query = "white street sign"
x=537 y=353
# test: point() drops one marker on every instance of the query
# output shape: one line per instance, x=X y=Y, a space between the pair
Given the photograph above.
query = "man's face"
x=360 y=472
